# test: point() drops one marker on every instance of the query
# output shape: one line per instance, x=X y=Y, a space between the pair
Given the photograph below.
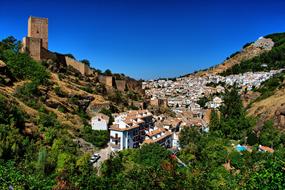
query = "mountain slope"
x=249 y=51
x=265 y=54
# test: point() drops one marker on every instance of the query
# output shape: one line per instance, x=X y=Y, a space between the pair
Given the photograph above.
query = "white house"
x=217 y=102
x=100 y=122
x=128 y=129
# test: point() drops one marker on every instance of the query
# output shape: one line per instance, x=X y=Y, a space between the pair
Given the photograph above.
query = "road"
x=105 y=154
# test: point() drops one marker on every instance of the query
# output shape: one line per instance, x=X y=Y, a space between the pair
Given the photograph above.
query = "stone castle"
x=37 y=38
x=36 y=45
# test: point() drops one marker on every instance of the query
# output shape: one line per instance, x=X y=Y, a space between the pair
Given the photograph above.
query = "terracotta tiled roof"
x=266 y=148
x=166 y=134
x=117 y=128
x=155 y=132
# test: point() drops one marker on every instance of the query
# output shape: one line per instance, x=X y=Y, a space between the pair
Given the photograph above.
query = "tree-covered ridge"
x=271 y=60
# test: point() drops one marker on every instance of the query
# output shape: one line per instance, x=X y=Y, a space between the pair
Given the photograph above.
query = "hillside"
x=48 y=105
x=248 y=51
x=265 y=54
x=46 y=141
x=270 y=104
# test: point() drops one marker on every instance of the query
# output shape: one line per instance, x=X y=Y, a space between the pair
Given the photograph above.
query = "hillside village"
x=101 y=115
x=186 y=91
x=132 y=128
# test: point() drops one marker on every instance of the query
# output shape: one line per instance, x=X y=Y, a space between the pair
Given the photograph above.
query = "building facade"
x=137 y=127
x=129 y=129
x=100 y=122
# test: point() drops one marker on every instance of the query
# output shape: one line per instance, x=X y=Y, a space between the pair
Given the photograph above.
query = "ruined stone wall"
x=33 y=46
x=81 y=67
x=47 y=55
x=38 y=28
x=107 y=80
x=120 y=84
x=90 y=71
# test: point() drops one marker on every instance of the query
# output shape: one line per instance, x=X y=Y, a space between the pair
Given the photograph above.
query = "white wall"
x=99 y=125
x=120 y=135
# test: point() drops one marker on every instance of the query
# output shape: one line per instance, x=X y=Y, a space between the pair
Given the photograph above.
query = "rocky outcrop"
x=280 y=117
x=6 y=77
x=257 y=48
x=2 y=64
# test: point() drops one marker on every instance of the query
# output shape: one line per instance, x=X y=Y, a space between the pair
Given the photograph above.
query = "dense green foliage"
x=98 y=138
x=233 y=122
x=21 y=65
x=150 y=167
x=274 y=59
x=215 y=164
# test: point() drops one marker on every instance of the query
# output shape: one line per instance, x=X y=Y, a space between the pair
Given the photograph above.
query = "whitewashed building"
x=128 y=129
x=100 y=122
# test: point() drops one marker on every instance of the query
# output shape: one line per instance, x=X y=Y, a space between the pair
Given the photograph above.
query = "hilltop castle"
x=36 y=45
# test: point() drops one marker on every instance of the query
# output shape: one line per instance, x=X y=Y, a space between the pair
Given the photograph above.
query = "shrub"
x=98 y=138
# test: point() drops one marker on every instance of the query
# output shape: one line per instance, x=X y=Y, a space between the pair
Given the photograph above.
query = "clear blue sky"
x=147 y=38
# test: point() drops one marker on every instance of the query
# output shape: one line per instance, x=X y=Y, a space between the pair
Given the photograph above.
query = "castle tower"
x=37 y=37
x=38 y=28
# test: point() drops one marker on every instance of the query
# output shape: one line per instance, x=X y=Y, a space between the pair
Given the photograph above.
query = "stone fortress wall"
x=107 y=80
x=36 y=44
x=120 y=84
x=33 y=47
x=81 y=67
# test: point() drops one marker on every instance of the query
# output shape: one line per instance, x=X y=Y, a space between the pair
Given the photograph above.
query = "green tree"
x=215 y=121
x=85 y=61
x=108 y=72
x=269 y=135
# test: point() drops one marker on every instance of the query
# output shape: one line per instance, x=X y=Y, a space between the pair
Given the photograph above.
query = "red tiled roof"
x=266 y=148
x=167 y=134
x=117 y=128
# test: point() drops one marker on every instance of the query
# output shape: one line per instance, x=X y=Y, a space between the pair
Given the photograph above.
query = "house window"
x=116 y=139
